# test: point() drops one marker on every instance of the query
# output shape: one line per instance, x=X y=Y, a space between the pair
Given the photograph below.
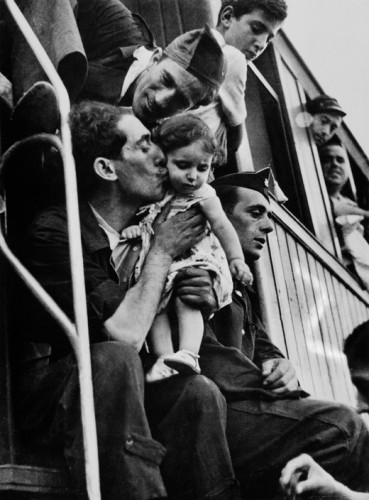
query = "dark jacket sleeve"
x=264 y=348
x=46 y=254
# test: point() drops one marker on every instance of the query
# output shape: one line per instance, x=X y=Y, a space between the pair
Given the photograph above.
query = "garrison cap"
x=258 y=181
x=199 y=53
x=324 y=103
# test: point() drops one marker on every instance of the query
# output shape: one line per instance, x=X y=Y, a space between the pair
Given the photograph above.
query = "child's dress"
x=207 y=254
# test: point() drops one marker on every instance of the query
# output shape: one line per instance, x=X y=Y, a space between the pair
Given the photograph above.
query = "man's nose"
x=260 y=43
x=266 y=226
x=335 y=163
x=159 y=157
x=163 y=97
x=326 y=130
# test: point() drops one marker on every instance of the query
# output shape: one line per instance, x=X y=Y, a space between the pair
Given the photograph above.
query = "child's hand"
x=241 y=271
x=131 y=232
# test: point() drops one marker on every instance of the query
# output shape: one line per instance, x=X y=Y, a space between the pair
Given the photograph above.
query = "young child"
x=190 y=148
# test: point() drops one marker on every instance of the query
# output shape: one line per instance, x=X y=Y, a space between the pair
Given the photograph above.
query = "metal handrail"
x=81 y=347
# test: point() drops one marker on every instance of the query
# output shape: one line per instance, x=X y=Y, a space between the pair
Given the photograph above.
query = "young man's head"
x=250 y=25
x=356 y=348
x=111 y=146
x=244 y=198
x=327 y=118
x=335 y=165
x=187 y=73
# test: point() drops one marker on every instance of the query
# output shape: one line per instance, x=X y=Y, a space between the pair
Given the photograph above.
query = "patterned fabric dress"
x=207 y=254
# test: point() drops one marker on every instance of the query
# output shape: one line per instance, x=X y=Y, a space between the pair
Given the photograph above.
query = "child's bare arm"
x=131 y=232
x=348 y=207
x=228 y=238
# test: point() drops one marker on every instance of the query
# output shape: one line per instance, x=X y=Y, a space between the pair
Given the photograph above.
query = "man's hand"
x=194 y=286
x=179 y=233
x=303 y=475
x=279 y=375
x=6 y=90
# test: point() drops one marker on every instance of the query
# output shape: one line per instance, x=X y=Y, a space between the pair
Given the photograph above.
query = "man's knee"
x=205 y=395
x=114 y=359
x=353 y=426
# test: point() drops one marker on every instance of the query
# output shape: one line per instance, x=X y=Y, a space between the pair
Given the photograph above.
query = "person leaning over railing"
x=108 y=54
x=348 y=215
x=244 y=29
x=119 y=169
x=326 y=117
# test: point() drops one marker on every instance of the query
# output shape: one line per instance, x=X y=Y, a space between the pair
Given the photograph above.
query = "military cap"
x=324 y=103
x=199 y=53
x=258 y=181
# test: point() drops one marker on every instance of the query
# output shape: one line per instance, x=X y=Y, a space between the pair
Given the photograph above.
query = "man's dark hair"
x=94 y=133
x=274 y=10
x=356 y=346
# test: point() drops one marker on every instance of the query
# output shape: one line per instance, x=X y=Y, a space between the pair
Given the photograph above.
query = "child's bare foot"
x=185 y=362
x=159 y=371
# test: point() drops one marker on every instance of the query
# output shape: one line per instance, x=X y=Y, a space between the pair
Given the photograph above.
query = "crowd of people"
x=192 y=399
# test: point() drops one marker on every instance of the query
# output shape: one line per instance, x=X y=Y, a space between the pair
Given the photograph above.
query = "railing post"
x=74 y=232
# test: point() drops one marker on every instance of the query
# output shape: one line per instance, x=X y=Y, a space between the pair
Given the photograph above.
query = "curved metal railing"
x=77 y=334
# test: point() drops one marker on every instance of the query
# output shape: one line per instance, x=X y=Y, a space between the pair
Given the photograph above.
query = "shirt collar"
x=218 y=37
x=93 y=236
x=142 y=58
x=112 y=235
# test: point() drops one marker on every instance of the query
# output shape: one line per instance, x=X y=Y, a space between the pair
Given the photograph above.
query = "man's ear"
x=105 y=169
x=226 y=16
x=156 y=56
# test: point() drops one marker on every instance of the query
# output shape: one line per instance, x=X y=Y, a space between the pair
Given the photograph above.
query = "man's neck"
x=333 y=190
x=114 y=211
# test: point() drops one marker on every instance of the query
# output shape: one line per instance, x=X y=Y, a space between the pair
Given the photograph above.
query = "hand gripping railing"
x=77 y=334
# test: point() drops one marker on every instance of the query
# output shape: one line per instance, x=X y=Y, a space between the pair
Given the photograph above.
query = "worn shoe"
x=36 y=111
x=185 y=362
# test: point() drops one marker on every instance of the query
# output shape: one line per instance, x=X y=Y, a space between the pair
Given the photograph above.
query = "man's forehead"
x=332 y=117
x=185 y=83
x=333 y=150
x=251 y=197
x=132 y=128
x=272 y=26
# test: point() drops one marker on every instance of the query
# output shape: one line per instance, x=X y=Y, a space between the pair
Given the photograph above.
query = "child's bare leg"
x=161 y=344
x=191 y=329
x=190 y=326
x=161 y=335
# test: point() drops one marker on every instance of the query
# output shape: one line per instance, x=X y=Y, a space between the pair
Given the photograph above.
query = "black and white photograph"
x=184 y=249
